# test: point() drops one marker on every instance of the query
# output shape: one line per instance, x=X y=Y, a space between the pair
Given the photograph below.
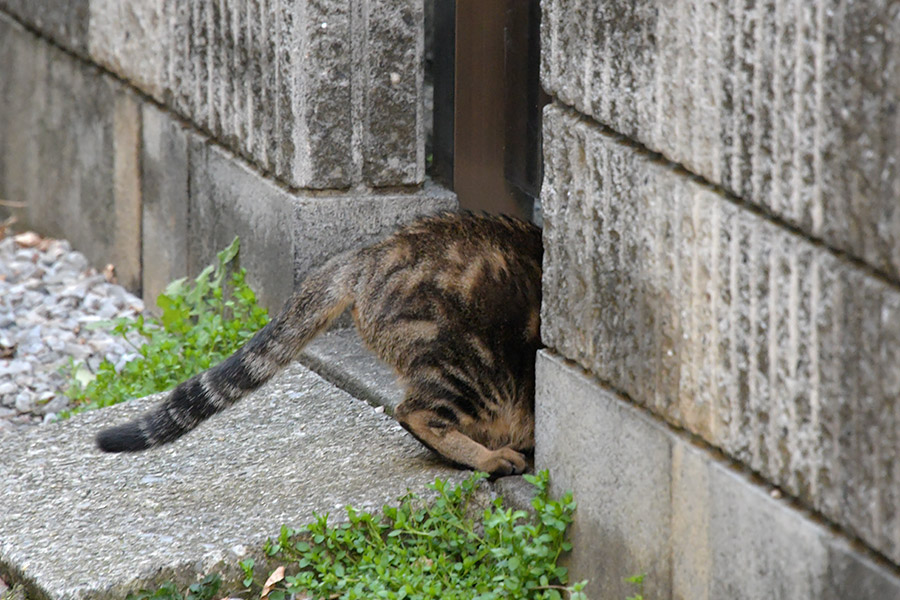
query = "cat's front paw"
x=502 y=462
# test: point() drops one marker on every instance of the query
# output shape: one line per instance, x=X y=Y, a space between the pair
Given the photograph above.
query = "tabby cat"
x=452 y=302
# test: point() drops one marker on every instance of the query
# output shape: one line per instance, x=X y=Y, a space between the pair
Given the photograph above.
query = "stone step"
x=340 y=357
x=76 y=523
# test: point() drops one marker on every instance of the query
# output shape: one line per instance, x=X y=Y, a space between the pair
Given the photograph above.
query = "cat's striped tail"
x=322 y=297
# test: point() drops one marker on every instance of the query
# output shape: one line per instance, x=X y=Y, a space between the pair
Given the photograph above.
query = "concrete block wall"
x=721 y=240
x=652 y=501
x=321 y=94
x=151 y=133
x=789 y=105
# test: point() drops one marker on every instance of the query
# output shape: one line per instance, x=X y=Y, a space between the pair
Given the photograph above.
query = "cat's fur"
x=452 y=302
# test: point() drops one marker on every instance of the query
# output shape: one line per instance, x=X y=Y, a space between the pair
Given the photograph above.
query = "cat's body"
x=452 y=302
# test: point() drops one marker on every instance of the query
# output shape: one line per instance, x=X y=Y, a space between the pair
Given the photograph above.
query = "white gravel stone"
x=50 y=301
x=24 y=402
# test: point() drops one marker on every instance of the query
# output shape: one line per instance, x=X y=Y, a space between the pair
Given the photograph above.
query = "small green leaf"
x=226 y=255
x=193 y=332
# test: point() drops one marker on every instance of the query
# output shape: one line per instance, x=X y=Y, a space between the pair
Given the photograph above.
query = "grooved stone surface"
x=766 y=345
x=791 y=105
x=391 y=78
x=130 y=38
x=296 y=446
x=69 y=149
x=65 y=21
x=324 y=94
x=651 y=502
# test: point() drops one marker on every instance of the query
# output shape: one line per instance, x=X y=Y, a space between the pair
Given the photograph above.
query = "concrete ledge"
x=79 y=524
x=284 y=232
x=649 y=501
x=340 y=357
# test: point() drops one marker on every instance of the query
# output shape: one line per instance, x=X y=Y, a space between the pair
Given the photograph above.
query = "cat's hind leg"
x=434 y=423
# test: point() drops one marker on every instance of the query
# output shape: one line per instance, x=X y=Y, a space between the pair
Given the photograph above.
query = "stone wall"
x=789 y=105
x=722 y=233
x=149 y=133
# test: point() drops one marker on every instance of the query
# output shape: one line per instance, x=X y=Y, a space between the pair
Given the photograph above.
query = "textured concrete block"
x=650 y=501
x=312 y=62
x=271 y=80
x=790 y=105
x=70 y=148
x=322 y=94
x=768 y=346
x=132 y=39
x=285 y=234
x=164 y=190
x=392 y=83
x=67 y=22
x=617 y=463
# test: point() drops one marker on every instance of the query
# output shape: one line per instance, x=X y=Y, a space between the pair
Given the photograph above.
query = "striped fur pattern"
x=452 y=302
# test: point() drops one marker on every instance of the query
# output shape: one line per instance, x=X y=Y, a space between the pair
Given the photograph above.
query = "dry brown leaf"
x=6 y=224
x=109 y=273
x=28 y=239
x=276 y=576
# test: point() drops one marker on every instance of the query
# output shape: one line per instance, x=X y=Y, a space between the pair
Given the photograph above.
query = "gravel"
x=52 y=305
